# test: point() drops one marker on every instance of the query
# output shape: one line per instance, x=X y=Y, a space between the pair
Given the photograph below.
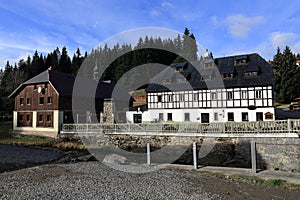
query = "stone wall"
x=272 y=153
x=277 y=153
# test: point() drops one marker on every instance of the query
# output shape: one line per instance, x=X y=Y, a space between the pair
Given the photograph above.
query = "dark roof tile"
x=223 y=65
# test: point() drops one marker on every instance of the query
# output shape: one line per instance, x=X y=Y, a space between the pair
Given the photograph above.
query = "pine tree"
x=286 y=76
x=65 y=62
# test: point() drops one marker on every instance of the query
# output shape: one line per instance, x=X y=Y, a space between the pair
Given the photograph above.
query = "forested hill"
x=59 y=60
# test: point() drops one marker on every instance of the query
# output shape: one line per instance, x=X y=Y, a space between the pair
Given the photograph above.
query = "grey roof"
x=223 y=65
x=63 y=84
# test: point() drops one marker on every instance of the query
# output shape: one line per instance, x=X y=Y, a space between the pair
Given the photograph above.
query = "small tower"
x=96 y=73
x=206 y=54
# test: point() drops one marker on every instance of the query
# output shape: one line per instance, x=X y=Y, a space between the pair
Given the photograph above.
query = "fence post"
x=148 y=154
x=195 y=155
x=253 y=156
x=289 y=125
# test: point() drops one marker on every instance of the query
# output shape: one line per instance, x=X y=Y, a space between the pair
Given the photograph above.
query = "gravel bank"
x=93 y=180
x=16 y=157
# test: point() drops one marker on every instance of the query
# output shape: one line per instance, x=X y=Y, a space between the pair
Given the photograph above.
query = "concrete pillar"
x=195 y=157
x=253 y=156
x=148 y=154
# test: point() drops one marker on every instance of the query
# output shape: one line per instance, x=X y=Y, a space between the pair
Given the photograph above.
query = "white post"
x=195 y=155
x=253 y=156
x=289 y=125
x=148 y=154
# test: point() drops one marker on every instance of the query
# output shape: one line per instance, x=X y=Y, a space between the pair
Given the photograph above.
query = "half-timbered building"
x=234 y=88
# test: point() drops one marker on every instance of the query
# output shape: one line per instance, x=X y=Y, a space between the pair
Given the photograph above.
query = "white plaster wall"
x=152 y=115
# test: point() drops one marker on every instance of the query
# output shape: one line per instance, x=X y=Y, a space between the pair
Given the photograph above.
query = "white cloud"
x=279 y=39
x=155 y=13
x=167 y=4
x=240 y=25
x=214 y=20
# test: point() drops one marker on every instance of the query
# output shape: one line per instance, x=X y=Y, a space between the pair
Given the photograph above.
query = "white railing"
x=261 y=127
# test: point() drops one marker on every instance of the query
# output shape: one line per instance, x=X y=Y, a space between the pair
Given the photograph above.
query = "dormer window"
x=227 y=76
x=252 y=71
x=241 y=60
x=181 y=80
x=209 y=63
x=166 y=81
x=228 y=72
x=180 y=67
x=206 y=78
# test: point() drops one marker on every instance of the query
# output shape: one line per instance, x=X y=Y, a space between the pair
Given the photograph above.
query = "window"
x=28 y=118
x=21 y=101
x=195 y=97
x=48 y=118
x=137 y=118
x=41 y=100
x=167 y=81
x=216 y=117
x=230 y=116
x=245 y=116
x=227 y=76
x=170 y=98
x=186 y=116
x=244 y=94
x=159 y=98
x=28 y=101
x=204 y=117
x=214 y=96
x=241 y=60
x=251 y=74
x=170 y=117
x=181 y=97
x=161 y=117
x=49 y=100
x=20 y=118
x=206 y=78
x=258 y=94
x=229 y=95
x=40 y=118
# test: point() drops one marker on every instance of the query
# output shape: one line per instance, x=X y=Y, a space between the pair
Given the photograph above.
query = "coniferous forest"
x=59 y=60
x=286 y=72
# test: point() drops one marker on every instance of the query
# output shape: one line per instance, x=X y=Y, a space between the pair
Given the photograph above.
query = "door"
x=137 y=118
x=170 y=118
x=204 y=117
x=259 y=116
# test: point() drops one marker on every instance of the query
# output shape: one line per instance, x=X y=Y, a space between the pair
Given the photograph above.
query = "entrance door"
x=259 y=116
x=137 y=118
x=204 y=117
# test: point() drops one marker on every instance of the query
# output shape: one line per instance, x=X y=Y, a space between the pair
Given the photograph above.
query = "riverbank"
x=94 y=180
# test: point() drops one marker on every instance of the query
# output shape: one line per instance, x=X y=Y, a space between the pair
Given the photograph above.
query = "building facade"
x=44 y=103
x=235 y=88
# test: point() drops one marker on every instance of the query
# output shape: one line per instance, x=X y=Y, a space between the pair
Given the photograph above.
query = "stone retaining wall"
x=272 y=153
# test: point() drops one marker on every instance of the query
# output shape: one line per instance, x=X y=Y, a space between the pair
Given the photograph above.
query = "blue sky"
x=223 y=27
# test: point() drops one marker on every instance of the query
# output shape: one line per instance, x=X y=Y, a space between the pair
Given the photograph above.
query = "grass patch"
x=252 y=180
x=34 y=141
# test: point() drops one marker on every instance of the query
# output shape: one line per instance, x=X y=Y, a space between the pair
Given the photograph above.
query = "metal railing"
x=260 y=127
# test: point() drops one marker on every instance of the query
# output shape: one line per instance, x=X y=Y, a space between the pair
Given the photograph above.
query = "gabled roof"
x=221 y=66
x=63 y=84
